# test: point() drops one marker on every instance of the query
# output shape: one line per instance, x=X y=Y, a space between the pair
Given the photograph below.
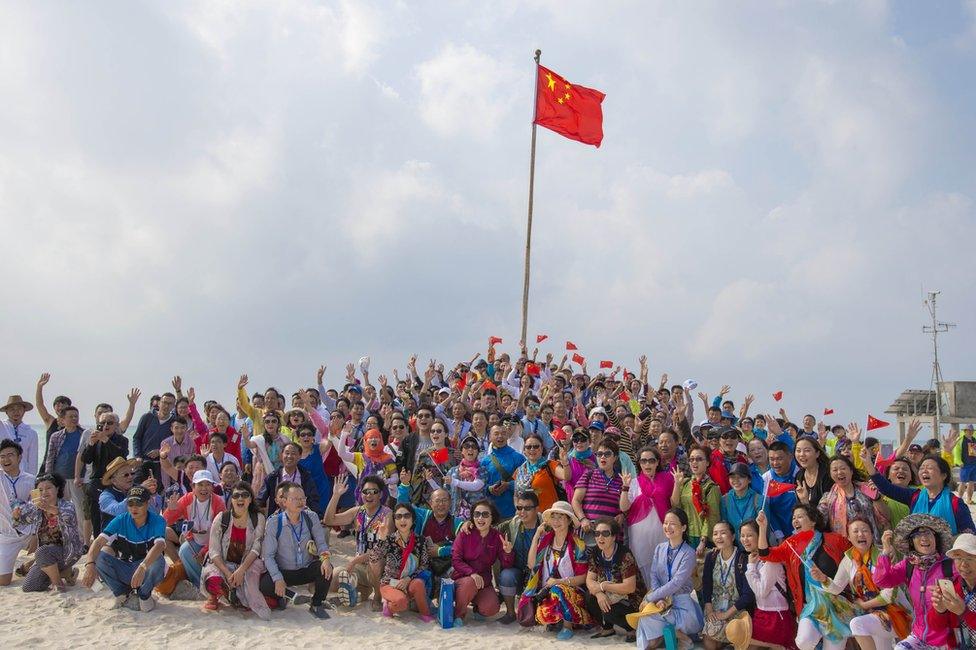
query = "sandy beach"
x=80 y=618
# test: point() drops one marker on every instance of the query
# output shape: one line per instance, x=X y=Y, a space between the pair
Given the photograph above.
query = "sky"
x=211 y=188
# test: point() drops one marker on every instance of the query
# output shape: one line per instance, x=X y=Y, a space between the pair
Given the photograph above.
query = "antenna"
x=935 y=329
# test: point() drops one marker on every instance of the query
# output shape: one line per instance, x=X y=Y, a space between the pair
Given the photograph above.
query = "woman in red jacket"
x=474 y=553
x=807 y=553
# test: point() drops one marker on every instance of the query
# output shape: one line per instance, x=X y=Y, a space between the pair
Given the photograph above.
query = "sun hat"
x=965 y=544
x=563 y=508
x=739 y=631
x=597 y=409
x=17 y=400
x=911 y=523
x=202 y=475
x=647 y=609
x=115 y=466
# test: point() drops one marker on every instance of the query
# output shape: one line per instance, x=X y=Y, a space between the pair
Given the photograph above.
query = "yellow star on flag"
x=566 y=95
x=560 y=100
x=552 y=82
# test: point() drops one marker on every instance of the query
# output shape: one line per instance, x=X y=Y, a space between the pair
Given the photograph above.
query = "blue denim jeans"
x=511 y=581
x=189 y=550
x=117 y=574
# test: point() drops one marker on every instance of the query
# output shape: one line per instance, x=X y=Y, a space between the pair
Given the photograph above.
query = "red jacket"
x=833 y=545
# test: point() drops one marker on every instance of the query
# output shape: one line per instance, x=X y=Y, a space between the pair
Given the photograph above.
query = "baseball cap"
x=202 y=475
x=596 y=424
x=740 y=469
x=914 y=447
x=138 y=495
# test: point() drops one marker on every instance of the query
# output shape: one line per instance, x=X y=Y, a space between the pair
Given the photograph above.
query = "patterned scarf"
x=468 y=470
x=697 y=498
x=923 y=562
x=864 y=588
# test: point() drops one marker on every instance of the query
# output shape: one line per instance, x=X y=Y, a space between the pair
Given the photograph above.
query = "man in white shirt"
x=14 y=428
x=15 y=488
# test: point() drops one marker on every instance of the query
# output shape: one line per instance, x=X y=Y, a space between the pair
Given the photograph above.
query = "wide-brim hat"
x=563 y=508
x=647 y=609
x=739 y=631
x=115 y=466
x=17 y=400
x=964 y=545
x=911 y=523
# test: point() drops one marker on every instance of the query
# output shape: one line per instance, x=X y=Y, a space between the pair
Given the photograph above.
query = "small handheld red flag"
x=606 y=364
x=492 y=340
x=439 y=456
x=489 y=385
x=571 y=346
x=828 y=411
x=776 y=488
x=624 y=396
x=539 y=338
x=778 y=395
x=570 y=110
x=532 y=370
x=875 y=423
x=578 y=358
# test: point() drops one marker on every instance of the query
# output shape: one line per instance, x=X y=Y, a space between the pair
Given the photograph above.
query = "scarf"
x=864 y=587
x=942 y=508
x=923 y=562
x=655 y=493
x=378 y=454
x=582 y=456
x=468 y=470
x=408 y=563
x=697 y=498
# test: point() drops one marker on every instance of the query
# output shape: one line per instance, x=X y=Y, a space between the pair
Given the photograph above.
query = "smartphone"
x=946 y=586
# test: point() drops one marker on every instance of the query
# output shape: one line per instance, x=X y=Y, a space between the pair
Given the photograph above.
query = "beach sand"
x=80 y=618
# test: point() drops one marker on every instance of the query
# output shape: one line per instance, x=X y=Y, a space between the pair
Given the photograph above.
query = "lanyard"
x=364 y=525
x=298 y=538
x=13 y=485
x=740 y=512
x=672 y=556
x=16 y=433
x=193 y=513
x=723 y=574
x=607 y=564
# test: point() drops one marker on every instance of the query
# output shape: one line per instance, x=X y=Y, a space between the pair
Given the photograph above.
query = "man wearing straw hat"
x=14 y=428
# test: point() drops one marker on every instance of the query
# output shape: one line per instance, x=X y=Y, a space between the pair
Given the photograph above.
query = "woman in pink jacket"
x=923 y=540
x=475 y=551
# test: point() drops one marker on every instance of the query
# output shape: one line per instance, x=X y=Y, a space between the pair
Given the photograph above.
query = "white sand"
x=80 y=618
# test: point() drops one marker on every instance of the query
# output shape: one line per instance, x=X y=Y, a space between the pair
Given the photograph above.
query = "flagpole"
x=528 y=227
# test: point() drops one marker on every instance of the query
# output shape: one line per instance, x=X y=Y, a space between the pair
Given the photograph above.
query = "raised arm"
x=46 y=416
x=330 y=518
x=132 y=398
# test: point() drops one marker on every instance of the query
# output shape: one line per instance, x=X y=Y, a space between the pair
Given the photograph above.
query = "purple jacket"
x=474 y=554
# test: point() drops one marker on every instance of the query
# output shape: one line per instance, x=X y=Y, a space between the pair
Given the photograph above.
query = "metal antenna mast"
x=935 y=329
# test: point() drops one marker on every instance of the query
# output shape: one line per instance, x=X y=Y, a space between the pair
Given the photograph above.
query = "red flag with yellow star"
x=569 y=110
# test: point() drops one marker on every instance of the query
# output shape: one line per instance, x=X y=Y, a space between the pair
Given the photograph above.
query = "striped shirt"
x=602 y=497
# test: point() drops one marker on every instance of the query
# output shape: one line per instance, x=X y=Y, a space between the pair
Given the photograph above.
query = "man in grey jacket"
x=295 y=552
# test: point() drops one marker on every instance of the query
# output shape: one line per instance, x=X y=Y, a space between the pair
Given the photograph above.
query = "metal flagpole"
x=528 y=227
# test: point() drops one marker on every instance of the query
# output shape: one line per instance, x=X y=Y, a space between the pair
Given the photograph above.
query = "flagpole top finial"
x=538 y=53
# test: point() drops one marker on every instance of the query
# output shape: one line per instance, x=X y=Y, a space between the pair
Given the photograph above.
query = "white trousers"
x=870 y=625
x=808 y=636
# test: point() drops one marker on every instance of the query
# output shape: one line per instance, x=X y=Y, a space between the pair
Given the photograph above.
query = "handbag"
x=525 y=612
x=445 y=604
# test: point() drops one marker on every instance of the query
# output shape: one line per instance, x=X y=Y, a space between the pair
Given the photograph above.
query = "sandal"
x=603 y=634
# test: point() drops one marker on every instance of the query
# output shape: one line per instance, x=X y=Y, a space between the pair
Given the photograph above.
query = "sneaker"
x=426 y=618
x=475 y=616
x=147 y=604
x=376 y=606
x=318 y=611
x=347 y=589
x=507 y=619
x=459 y=622
x=565 y=634
x=133 y=603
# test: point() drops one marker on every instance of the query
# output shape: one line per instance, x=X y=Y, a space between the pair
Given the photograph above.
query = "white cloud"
x=463 y=90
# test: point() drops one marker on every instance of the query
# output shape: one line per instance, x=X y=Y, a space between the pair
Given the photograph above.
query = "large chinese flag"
x=570 y=110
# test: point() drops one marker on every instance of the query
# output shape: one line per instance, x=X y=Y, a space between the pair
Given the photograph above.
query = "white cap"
x=965 y=543
x=689 y=384
x=203 y=475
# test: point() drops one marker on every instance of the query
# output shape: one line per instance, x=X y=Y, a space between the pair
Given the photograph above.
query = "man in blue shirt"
x=153 y=428
x=63 y=447
x=500 y=465
x=138 y=539
x=532 y=423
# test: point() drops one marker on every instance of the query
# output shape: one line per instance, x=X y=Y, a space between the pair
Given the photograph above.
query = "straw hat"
x=739 y=631
x=964 y=545
x=116 y=465
x=647 y=609
x=563 y=508
x=911 y=523
x=17 y=400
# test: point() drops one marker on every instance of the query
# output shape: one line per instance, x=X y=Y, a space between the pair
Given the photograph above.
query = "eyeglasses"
x=648 y=461
x=532 y=447
x=423 y=416
x=603 y=533
x=398 y=426
x=371 y=491
x=402 y=515
x=482 y=514
x=580 y=439
x=604 y=454
x=240 y=495
x=729 y=436
x=271 y=421
x=524 y=508
x=126 y=474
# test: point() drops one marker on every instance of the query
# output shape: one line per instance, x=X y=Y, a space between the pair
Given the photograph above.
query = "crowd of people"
x=505 y=490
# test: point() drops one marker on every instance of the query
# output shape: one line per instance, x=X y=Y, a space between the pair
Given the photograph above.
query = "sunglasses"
x=604 y=454
x=532 y=447
x=474 y=447
x=271 y=421
x=729 y=436
x=697 y=459
x=580 y=439
x=482 y=514
x=648 y=461
x=603 y=533
x=524 y=508
x=240 y=495
x=371 y=491
x=402 y=515
x=398 y=426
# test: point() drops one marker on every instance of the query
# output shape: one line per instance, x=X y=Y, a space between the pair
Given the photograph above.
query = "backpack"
x=305 y=516
x=946 y=570
x=225 y=521
x=560 y=490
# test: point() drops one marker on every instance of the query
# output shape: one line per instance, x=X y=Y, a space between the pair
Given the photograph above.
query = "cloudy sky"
x=216 y=187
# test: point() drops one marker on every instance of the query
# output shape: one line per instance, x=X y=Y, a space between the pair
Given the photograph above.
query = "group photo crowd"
x=510 y=490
